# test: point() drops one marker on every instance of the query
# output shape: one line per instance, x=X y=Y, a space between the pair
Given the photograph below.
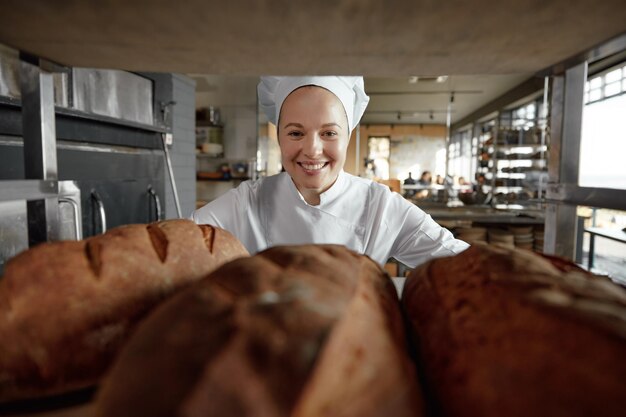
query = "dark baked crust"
x=300 y=330
x=66 y=307
x=507 y=333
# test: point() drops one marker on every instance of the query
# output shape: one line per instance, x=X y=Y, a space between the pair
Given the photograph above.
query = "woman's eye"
x=294 y=134
x=330 y=133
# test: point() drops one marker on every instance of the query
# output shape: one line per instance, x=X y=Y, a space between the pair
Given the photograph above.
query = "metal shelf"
x=509 y=187
x=224 y=179
x=519 y=145
x=78 y=114
x=504 y=154
x=14 y=190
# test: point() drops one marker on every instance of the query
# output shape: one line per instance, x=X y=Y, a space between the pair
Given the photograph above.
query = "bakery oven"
x=81 y=150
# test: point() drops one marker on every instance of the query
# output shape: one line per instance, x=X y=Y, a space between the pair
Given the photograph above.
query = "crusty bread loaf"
x=66 y=307
x=509 y=333
x=293 y=331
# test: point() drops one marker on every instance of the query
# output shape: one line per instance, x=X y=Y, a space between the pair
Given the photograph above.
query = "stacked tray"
x=538 y=236
x=523 y=236
x=502 y=238
x=472 y=234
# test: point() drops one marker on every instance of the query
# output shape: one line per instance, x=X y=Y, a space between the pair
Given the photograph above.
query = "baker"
x=314 y=200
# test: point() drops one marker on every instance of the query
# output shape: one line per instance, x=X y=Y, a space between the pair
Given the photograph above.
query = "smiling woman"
x=314 y=200
x=313 y=137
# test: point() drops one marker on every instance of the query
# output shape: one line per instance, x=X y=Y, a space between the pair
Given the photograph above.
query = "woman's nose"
x=313 y=146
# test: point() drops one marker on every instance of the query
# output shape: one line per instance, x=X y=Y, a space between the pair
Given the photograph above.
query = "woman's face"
x=313 y=137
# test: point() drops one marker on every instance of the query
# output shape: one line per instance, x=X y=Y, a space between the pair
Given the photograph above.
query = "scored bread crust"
x=508 y=332
x=298 y=330
x=66 y=307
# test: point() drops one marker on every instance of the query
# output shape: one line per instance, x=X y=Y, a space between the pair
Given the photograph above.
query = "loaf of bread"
x=66 y=307
x=294 y=331
x=502 y=332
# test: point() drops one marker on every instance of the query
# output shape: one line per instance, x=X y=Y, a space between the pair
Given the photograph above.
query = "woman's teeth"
x=313 y=167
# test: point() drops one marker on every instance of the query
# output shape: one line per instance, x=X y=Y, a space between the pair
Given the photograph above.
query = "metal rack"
x=502 y=156
x=563 y=88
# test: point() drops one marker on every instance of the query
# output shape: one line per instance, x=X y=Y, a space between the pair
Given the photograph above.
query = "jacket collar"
x=327 y=197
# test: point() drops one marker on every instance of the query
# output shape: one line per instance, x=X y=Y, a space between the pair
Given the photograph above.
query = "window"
x=460 y=163
x=607 y=84
x=378 y=157
x=603 y=141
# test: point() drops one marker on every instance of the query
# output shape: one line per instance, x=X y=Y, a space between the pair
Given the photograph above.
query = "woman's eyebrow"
x=331 y=124
x=298 y=125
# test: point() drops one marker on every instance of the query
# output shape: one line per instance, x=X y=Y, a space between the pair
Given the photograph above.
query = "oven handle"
x=103 y=218
x=76 y=208
x=157 y=202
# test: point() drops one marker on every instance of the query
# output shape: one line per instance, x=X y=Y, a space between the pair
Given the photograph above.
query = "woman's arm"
x=419 y=238
x=227 y=211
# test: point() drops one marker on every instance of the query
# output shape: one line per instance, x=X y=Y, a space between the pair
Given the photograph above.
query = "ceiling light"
x=442 y=78
x=413 y=79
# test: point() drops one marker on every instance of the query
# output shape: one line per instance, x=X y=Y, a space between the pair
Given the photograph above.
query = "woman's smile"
x=313 y=168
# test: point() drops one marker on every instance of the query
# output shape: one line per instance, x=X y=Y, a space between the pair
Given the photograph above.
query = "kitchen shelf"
x=520 y=145
x=518 y=159
x=509 y=187
x=223 y=179
x=215 y=175
x=511 y=175
x=209 y=156
x=217 y=158
x=498 y=147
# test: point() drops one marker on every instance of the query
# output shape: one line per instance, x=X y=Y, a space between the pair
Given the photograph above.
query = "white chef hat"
x=349 y=90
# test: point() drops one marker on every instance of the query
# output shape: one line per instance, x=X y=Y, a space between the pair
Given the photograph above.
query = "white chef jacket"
x=355 y=212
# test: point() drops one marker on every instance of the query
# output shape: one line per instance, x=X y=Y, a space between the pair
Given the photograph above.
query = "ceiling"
x=393 y=100
x=371 y=37
x=485 y=47
x=404 y=100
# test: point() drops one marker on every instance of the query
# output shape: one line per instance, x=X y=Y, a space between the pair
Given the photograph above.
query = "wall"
x=421 y=147
x=183 y=151
x=240 y=132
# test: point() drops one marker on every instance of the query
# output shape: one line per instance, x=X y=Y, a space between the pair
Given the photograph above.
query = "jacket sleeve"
x=227 y=211
x=419 y=238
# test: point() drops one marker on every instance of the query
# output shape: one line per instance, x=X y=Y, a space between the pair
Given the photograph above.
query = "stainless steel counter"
x=481 y=214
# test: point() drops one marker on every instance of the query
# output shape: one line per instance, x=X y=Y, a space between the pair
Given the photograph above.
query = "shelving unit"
x=486 y=165
x=512 y=155
x=216 y=175
x=210 y=168
x=215 y=172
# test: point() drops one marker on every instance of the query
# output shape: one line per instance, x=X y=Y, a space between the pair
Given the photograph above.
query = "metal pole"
x=448 y=120
x=40 y=158
x=542 y=124
x=171 y=175
x=566 y=113
x=494 y=159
